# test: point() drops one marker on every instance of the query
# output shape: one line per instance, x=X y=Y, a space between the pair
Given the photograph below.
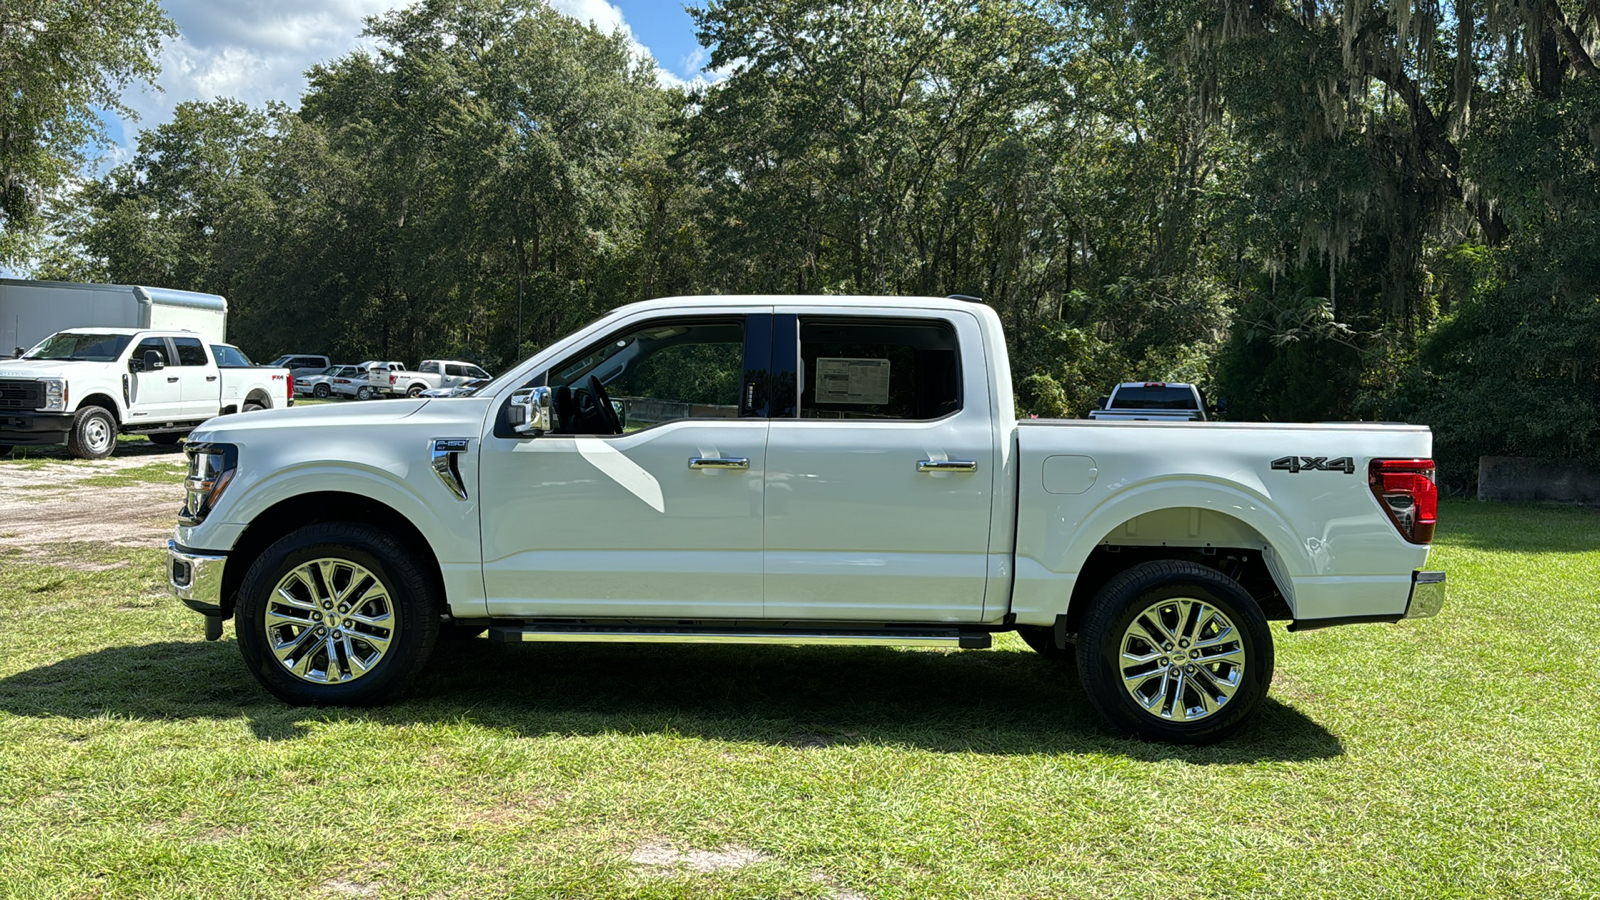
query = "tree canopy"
x=1381 y=209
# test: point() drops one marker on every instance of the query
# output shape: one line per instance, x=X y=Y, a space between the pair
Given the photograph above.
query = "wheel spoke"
x=362 y=643
x=1181 y=659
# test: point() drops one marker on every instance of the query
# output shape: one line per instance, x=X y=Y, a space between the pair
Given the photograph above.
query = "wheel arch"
x=1218 y=525
x=104 y=401
x=312 y=508
x=259 y=395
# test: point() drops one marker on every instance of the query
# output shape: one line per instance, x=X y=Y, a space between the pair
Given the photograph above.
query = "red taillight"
x=291 y=385
x=1406 y=490
x=393 y=378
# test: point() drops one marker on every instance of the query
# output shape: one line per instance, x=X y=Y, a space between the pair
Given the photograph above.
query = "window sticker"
x=842 y=379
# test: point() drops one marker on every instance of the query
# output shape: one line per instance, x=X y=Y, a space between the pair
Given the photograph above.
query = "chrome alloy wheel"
x=1181 y=659
x=330 y=621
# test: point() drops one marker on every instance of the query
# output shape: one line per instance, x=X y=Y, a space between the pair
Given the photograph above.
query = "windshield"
x=1154 y=396
x=80 y=346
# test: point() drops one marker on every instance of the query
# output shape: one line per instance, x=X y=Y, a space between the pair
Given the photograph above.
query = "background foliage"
x=1318 y=210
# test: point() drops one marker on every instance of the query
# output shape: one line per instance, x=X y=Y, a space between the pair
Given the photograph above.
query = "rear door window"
x=190 y=351
x=878 y=369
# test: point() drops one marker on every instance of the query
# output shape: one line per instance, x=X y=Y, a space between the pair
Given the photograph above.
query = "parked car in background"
x=1153 y=401
x=302 y=363
x=464 y=389
x=372 y=380
x=432 y=374
x=84 y=386
x=319 y=384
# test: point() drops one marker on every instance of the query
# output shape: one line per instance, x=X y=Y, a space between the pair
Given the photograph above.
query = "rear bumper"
x=1427 y=598
x=34 y=428
x=1427 y=595
x=196 y=578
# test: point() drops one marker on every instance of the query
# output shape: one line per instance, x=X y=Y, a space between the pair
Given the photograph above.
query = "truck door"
x=880 y=473
x=650 y=511
x=199 y=381
x=154 y=394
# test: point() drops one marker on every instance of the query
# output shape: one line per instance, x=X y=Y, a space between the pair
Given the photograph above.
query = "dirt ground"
x=47 y=504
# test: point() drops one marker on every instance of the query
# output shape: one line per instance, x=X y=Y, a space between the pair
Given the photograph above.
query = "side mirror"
x=529 y=412
x=151 y=362
x=1101 y=403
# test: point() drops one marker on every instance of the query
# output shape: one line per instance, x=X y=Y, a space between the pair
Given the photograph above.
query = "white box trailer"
x=31 y=311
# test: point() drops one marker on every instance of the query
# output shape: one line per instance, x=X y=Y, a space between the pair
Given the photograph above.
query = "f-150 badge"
x=1294 y=464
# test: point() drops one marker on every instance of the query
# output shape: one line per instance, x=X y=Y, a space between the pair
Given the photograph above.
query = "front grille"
x=21 y=395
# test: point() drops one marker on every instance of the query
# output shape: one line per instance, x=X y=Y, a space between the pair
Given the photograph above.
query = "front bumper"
x=32 y=429
x=196 y=578
x=1427 y=595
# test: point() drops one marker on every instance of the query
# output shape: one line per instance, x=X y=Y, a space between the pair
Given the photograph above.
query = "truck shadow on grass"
x=993 y=702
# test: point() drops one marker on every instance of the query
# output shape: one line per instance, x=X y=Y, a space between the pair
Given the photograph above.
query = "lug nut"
x=327 y=604
x=321 y=631
x=316 y=617
x=1167 y=646
x=346 y=623
x=337 y=634
x=1183 y=643
x=344 y=608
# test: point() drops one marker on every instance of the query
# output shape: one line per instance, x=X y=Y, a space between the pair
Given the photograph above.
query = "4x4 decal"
x=1294 y=464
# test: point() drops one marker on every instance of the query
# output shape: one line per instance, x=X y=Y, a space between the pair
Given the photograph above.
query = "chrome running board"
x=933 y=636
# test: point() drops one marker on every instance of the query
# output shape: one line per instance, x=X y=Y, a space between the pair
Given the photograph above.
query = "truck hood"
x=359 y=418
x=49 y=368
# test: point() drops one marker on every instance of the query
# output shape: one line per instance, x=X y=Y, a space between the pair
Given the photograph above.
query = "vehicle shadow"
x=996 y=702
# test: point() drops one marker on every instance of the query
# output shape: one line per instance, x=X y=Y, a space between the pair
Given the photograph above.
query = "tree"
x=61 y=62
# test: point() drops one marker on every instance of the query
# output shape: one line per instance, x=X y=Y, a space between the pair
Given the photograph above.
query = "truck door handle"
x=947 y=465
x=211 y=378
x=727 y=462
x=172 y=380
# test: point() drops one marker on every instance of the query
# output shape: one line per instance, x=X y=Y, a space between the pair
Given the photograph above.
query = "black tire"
x=251 y=406
x=166 y=438
x=1042 y=638
x=93 y=434
x=401 y=595
x=415 y=390
x=320 y=391
x=363 y=393
x=1157 y=591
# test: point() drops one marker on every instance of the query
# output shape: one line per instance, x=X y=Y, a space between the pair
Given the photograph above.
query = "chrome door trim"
x=713 y=462
x=947 y=465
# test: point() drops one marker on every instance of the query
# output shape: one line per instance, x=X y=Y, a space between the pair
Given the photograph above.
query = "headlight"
x=211 y=470
x=55 y=394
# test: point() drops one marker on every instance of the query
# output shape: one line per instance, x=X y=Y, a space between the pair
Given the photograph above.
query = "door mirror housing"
x=151 y=362
x=529 y=412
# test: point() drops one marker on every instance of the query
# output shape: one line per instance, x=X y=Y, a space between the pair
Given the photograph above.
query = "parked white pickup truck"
x=797 y=470
x=82 y=386
x=433 y=374
x=1152 y=401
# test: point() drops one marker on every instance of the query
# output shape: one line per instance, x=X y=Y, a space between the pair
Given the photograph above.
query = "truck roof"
x=822 y=300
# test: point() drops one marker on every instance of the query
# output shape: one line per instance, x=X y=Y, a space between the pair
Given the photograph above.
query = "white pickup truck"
x=771 y=469
x=433 y=374
x=82 y=386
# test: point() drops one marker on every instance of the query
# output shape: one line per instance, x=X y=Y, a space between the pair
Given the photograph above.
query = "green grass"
x=1453 y=757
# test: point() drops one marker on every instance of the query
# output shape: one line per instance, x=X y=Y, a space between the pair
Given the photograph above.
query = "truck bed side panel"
x=1330 y=546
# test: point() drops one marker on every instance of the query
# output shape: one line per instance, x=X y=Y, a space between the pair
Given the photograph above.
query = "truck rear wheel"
x=93 y=434
x=1175 y=651
x=363 y=393
x=336 y=614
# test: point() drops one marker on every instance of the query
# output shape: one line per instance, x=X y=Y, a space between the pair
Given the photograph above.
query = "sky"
x=258 y=50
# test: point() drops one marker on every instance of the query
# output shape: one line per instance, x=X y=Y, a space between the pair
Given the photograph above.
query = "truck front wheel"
x=336 y=614
x=1175 y=651
x=93 y=434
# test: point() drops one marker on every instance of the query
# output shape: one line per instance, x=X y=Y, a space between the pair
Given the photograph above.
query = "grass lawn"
x=1452 y=757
